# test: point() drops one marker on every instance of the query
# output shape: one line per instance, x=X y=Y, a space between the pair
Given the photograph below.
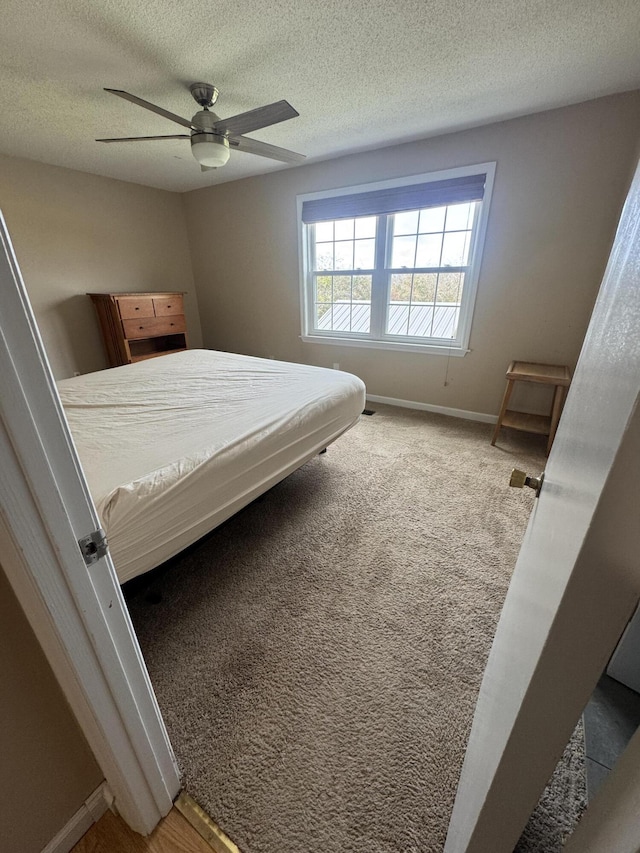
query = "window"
x=395 y=264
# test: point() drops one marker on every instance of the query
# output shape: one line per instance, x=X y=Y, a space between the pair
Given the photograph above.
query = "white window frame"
x=381 y=278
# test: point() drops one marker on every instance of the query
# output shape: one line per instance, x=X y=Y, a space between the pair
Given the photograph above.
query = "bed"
x=173 y=446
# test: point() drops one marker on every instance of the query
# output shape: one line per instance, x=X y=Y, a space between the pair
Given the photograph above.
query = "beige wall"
x=74 y=233
x=46 y=768
x=561 y=179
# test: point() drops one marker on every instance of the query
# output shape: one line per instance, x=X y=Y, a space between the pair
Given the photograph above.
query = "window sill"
x=432 y=349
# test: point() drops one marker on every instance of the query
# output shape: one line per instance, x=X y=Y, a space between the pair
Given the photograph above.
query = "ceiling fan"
x=211 y=137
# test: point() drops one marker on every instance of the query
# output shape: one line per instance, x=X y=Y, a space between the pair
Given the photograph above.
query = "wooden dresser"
x=136 y=326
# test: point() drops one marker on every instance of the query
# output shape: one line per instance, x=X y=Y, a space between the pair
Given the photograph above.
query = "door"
x=576 y=581
x=76 y=611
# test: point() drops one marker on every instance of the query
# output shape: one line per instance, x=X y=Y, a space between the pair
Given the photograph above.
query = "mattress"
x=173 y=446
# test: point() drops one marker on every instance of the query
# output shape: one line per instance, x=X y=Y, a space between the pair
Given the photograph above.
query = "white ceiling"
x=361 y=73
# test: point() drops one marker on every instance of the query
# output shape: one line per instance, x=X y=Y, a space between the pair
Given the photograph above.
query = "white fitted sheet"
x=173 y=446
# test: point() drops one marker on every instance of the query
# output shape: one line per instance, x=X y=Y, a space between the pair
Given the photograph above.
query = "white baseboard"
x=440 y=410
x=89 y=813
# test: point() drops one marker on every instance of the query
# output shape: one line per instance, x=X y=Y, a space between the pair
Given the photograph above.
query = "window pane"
x=344 y=229
x=342 y=288
x=445 y=321
x=364 y=255
x=429 y=247
x=455 y=249
x=324 y=256
x=341 y=317
x=323 y=288
x=404 y=252
x=450 y=286
x=406 y=222
x=460 y=216
x=420 y=319
x=323 y=316
x=432 y=219
x=361 y=291
x=366 y=226
x=343 y=303
x=398 y=318
x=324 y=231
x=467 y=246
x=344 y=255
x=401 y=287
x=424 y=287
x=361 y=317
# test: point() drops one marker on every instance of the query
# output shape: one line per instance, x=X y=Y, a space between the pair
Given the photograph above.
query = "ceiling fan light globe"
x=212 y=151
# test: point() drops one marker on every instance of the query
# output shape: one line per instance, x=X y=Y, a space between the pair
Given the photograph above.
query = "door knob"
x=519 y=479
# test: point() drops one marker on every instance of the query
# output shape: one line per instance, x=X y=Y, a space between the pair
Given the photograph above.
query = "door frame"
x=77 y=612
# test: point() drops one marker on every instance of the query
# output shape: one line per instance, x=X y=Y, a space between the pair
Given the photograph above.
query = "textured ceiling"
x=361 y=73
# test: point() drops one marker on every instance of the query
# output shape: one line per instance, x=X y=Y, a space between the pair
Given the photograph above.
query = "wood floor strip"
x=172 y=835
x=204 y=825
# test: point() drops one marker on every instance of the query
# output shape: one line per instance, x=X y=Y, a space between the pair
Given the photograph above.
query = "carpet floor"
x=318 y=657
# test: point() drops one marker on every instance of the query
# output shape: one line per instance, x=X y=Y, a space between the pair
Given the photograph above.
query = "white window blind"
x=395 y=199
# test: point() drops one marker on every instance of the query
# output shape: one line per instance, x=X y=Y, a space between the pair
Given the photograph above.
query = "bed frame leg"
x=322 y=451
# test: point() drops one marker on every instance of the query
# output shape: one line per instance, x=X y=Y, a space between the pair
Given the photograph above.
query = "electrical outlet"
x=336 y=366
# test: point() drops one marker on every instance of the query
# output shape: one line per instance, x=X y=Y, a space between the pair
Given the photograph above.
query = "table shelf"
x=525 y=421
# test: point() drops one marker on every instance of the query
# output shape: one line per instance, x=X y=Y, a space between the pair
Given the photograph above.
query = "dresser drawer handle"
x=137 y=307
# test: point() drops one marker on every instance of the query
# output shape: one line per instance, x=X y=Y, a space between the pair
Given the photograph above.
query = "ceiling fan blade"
x=255 y=119
x=154 y=109
x=252 y=146
x=145 y=138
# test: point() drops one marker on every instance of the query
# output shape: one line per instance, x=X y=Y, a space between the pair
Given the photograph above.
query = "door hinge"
x=94 y=546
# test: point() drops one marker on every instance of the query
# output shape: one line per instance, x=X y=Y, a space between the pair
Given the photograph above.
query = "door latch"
x=519 y=479
x=94 y=546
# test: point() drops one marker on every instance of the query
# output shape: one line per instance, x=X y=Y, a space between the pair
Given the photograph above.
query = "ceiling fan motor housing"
x=205 y=121
x=209 y=148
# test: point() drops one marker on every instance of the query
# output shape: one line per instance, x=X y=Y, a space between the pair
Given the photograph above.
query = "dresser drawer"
x=167 y=306
x=153 y=326
x=135 y=306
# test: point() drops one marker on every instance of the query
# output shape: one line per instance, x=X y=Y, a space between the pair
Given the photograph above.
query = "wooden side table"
x=547 y=374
